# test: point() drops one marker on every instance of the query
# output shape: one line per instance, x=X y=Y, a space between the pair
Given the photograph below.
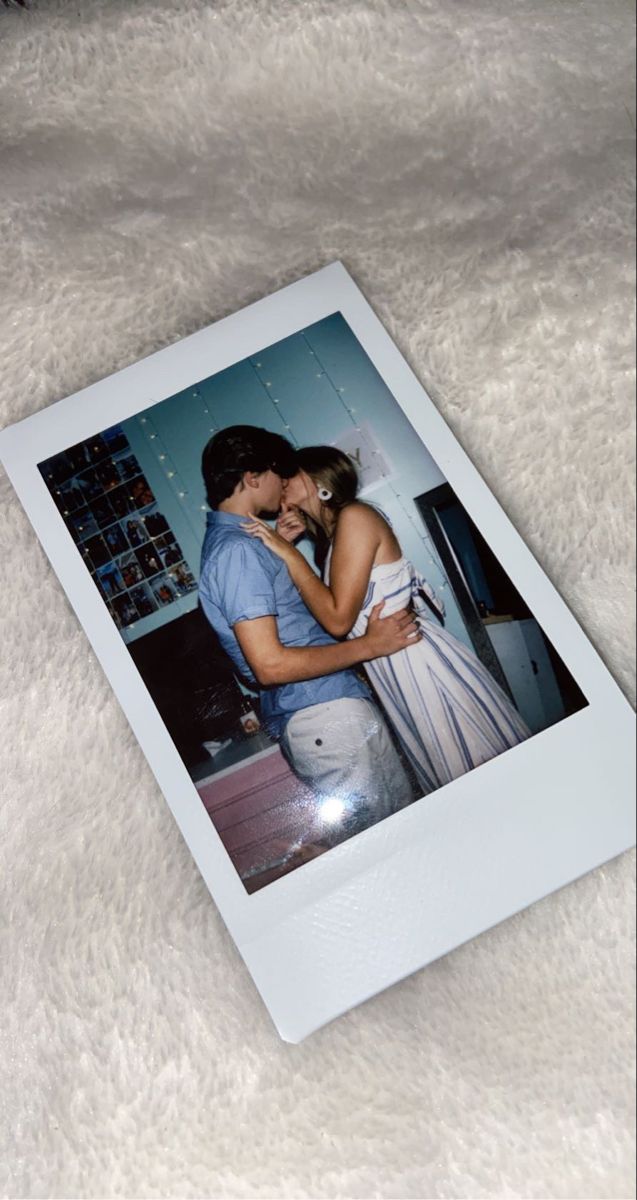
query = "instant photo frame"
x=407 y=890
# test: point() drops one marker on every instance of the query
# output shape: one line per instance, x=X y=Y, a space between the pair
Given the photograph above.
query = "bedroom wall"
x=317 y=386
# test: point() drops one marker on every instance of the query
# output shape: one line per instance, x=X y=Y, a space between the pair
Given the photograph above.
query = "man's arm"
x=273 y=663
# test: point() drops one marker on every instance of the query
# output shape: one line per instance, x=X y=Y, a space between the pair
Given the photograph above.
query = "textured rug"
x=163 y=163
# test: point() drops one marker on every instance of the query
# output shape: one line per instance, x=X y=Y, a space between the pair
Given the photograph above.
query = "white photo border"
x=413 y=887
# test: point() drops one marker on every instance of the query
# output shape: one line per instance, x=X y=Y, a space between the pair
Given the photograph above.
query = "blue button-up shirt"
x=242 y=580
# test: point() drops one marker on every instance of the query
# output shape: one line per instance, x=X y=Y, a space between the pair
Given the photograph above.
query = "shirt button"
x=319 y=742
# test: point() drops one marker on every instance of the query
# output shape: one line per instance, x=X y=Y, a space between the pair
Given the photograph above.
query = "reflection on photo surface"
x=98 y=550
x=164 y=590
x=110 y=580
x=148 y=560
x=130 y=569
x=115 y=540
x=143 y=600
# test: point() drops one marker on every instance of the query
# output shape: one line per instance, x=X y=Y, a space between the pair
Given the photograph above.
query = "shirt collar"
x=215 y=517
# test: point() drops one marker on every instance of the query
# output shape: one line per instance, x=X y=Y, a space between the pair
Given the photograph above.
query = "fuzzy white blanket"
x=163 y=163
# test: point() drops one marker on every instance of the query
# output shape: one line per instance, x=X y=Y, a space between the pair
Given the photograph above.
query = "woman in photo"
x=449 y=713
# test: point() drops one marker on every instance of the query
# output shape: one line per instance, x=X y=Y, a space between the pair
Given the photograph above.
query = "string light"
x=274 y=400
x=168 y=467
x=172 y=475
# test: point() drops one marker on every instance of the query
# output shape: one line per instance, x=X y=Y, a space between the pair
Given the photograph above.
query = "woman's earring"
x=323 y=494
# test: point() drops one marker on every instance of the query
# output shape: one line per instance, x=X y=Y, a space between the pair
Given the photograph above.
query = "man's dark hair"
x=240 y=448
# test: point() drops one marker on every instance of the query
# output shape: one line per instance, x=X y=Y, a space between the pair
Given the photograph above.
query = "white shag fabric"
x=164 y=162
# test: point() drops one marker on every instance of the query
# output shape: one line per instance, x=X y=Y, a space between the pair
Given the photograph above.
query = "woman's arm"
x=355 y=544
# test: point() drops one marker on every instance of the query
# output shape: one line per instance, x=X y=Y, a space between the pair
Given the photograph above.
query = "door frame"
x=482 y=644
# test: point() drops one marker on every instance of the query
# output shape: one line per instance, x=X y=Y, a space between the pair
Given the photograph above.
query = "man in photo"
x=312 y=700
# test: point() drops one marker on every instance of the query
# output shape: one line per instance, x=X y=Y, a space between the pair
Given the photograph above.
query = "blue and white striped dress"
x=449 y=713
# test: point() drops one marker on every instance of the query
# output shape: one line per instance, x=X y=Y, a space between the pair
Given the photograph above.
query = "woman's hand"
x=276 y=542
x=290 y=525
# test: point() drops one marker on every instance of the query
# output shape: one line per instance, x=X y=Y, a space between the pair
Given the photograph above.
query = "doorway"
x=505 y=635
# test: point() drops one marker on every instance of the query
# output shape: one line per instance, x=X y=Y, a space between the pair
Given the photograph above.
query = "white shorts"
x=343 y=751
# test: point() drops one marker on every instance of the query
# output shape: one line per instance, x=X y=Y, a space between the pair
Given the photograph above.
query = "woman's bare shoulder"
x=359 y=525
x=359 y=515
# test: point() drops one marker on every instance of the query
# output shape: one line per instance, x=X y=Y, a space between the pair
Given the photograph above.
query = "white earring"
x=323 y=494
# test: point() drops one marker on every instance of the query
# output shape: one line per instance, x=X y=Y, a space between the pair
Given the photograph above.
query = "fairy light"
x=171 y=474
x=160 y=451
x=266 y=384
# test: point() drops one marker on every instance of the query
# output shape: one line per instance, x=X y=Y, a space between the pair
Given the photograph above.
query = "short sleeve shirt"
x=241 y=580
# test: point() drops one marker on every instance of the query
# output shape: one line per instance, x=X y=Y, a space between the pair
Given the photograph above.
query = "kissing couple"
x=298 y=636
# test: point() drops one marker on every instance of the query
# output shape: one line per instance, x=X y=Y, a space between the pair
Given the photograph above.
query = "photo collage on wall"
x=111 y=513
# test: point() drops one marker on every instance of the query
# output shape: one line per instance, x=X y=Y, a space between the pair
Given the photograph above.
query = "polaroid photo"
x=378 y=727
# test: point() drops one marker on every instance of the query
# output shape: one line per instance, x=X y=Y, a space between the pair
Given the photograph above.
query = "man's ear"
x=251 y=479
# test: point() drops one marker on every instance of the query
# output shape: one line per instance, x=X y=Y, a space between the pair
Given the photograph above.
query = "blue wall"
x=312 y=387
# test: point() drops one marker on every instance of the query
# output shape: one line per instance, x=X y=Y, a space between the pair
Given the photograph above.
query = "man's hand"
x=388 y=635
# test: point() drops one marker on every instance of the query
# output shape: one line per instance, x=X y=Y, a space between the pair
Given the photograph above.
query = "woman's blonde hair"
x=333 y=470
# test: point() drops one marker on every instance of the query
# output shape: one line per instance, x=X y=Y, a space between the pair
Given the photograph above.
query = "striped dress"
x=446 y=708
